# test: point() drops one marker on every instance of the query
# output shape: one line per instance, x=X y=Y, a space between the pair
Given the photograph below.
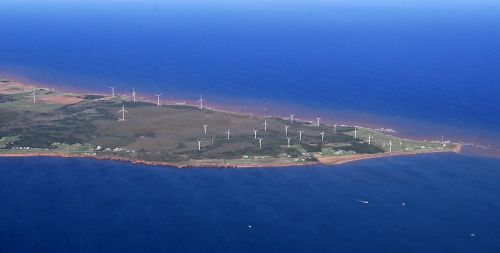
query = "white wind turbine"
x=286 y=129
x=133 y=94
x=335 y=129
x=355 y=133
x=370 y=139
x=322 y=135
x=288 y=138
x=291 y=118
x=228 y=132
x=34 y=95
x=255 y=133
x=158 y=100
x=199 y=144
x=390 y=146
x=300 y=135
x=112 y=90
x=317 y=121
x=265 y=125
x=205 y=128
x=122 y=111
x=201 y=102
x=260 y=142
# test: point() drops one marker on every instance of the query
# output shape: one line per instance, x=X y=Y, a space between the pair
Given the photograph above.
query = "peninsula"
x=47 y=122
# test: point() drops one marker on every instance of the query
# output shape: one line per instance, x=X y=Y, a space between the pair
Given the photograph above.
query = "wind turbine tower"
x=112 y=91
x=370 y=139
x=390 y=146
x=288 y=138
x=199 y=145
x=300 y=135
x=286 y=129
x=133 y=94
x=322 y=136
x=34 y=95
x=291 y=118
x=228 y=132
x=255 y=133
x=122 y=111
x=335 y=129
x=355 y=133
x=201 y=102
x=260 y=142
x=158 y=100
x=317 y=121
x=265 y=125
x=205 y=128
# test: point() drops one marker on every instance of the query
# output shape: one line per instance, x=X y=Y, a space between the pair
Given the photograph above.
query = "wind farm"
x=122 y=127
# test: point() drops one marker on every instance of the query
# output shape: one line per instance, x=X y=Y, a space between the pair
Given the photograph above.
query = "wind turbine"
x=255 y=133
x=260 y=142
x=355 y=133
x=122 y=111
x=300 y=135
x=265 y=125
x=390 y=146
x=112 y=90
x=370 y=139
x=286 y=129
x=158 y=101
x=288 y=138
x=34 y=95
x=291 y=118
x=205 y=128
x=199 y=144
x=317 y=121
x=133 y=94
x=201 y=102
x=335 y=129
x=322 y=135
x=228 y=132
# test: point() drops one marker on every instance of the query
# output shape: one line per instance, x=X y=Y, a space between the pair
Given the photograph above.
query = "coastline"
x=219 y=163
x=328 y=161
x=472 y=144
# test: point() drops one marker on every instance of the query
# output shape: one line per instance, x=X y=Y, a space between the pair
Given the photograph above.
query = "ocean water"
x=78 y=205
x=424 y=69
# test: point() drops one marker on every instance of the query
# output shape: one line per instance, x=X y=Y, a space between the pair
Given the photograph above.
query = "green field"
x=170 y=133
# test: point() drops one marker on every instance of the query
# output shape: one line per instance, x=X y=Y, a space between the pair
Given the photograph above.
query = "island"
x=48 y=122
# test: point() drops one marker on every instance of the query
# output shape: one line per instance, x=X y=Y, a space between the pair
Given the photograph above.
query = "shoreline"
x=220 y=163
x=473 y=145
x=342 y=116
x=327 y=161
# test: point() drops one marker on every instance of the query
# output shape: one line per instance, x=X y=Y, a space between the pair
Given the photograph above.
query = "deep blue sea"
x=78 y=205
x=425 y=68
